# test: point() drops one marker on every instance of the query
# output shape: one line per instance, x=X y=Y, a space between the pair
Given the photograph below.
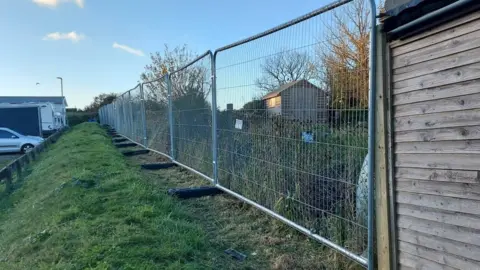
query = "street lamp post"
x=63 y=102
x=61 y=84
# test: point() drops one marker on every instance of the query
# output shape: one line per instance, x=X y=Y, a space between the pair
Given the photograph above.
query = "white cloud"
x=128 y=49
x=73 y=36
x=55 y=3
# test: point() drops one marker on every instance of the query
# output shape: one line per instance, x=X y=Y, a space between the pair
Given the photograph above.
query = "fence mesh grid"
x=291 y=121
x=192 y=115
x=135 y=103
x=156 y=115
x=121 y=122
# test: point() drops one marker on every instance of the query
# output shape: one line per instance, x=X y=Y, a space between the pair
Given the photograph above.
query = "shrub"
x=75 y=118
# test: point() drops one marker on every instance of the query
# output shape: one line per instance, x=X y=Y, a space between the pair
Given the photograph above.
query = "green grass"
x=82 y=207
x=4 y=163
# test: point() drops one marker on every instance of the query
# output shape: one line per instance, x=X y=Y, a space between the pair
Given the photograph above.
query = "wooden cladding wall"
x=435 y=82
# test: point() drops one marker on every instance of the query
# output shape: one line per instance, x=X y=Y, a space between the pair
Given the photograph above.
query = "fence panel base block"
x=195 y=192
x=158 y=166
x=136 y=152
x=124 y=145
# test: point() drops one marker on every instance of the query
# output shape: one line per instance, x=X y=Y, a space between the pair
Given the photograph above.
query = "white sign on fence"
x=238 y=124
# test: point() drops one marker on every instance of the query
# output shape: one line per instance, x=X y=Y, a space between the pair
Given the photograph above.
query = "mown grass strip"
x=82 y=207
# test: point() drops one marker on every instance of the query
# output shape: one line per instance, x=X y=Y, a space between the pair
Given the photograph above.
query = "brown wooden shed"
x=298 y=100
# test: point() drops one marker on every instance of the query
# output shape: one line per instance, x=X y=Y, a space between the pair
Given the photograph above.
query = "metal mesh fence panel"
x=118 y=114
x=128 y=110
x=135 y=104
x=292 y=122
x=105 y=115
x=114 y=115
x=156 y=115
x=124 y=114
x=128 y=114
x=290 y=135
x=120 y=125
x=101 y=115
x=192 y=115
x=110 y=115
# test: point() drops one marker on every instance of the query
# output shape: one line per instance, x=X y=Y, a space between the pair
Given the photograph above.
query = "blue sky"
x=36 y=46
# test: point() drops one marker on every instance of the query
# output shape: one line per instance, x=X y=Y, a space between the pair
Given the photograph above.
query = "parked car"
x=11 y=141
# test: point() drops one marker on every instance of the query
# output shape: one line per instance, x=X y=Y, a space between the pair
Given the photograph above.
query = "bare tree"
x=190 y=89
x=285 y=67
x=191 y=80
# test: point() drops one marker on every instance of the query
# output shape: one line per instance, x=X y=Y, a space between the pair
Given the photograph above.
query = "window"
x=274 y=102
x=278 y=101
x=270 y=102
x=6 y=135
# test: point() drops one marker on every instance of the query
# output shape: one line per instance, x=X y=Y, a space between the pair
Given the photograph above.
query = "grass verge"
x=82 y=207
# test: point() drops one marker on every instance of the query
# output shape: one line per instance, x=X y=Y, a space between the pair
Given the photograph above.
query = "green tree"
x=99 y=101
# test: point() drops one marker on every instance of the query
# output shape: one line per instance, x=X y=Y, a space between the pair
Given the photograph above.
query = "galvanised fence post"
x=170 y=115
x=144 y=120
x=214 y=118
x=371 y=138
x=123 y=119
x=130 y=116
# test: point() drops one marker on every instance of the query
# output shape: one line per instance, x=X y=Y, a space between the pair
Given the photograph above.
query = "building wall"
x=304 y=103
x=277 y=110
x=436 y=97
x=58 y=107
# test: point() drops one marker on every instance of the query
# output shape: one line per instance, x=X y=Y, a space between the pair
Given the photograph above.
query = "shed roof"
x=394 y=7
x=402 y=12
x=32 y=99
x=278 y=91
